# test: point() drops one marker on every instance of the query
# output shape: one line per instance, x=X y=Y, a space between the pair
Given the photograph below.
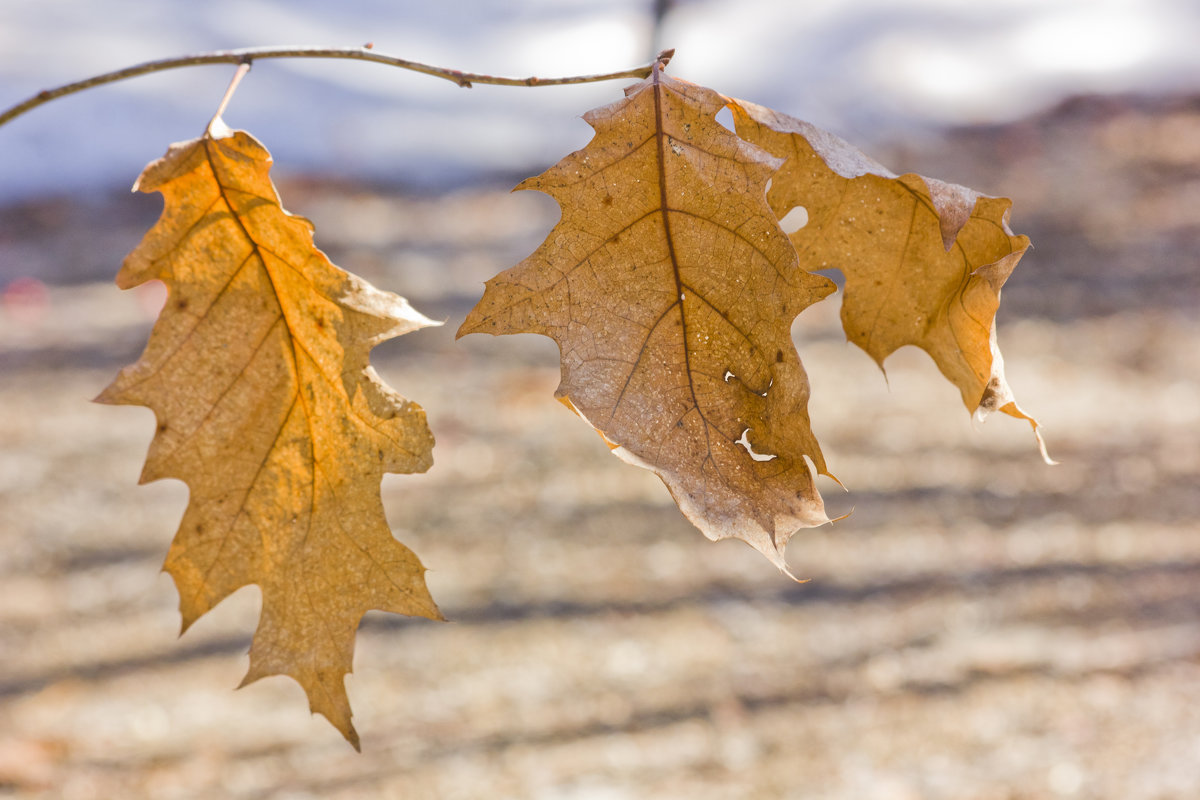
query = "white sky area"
x=869 y=70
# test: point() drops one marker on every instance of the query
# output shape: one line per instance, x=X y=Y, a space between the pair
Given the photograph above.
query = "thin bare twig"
x=247 y=55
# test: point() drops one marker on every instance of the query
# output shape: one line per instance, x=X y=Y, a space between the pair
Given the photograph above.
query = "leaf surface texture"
x=258 y=373
x=670 y=290
x=924 y=260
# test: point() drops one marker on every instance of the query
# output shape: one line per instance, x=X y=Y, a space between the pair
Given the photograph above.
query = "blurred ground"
x=982 y=627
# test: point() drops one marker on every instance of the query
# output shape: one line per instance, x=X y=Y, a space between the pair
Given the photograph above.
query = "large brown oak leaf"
x=670 y=290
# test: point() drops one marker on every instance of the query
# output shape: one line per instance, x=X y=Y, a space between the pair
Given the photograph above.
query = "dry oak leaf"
x=924 y=260
x=670 y=290
x=258 y=373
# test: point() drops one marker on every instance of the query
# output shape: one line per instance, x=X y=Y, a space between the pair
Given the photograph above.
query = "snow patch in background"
x=869 y=70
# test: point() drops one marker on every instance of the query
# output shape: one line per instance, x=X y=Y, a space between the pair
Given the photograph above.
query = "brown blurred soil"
x=982 y=627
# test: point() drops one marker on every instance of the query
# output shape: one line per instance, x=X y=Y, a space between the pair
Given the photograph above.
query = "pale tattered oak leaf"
x=670 y=290
x=924 y=260
x=268 y=409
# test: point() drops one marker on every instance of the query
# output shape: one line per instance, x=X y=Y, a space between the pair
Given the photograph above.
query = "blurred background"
x=870 y=71
x=982 y=626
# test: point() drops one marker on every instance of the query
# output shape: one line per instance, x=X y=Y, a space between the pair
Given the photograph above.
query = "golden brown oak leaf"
x=924 y=260
x=670 y=290
x=257 y=371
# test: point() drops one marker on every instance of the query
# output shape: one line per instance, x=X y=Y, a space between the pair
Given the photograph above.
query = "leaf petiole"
x=216 y=122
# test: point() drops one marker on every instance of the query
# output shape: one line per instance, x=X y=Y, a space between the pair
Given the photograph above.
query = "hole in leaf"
x=745 y=442
x=794 y=220
x=725 y=117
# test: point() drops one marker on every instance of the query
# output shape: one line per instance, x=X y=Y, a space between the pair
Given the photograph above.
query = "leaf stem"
x=242 y=69
x=247 y=55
